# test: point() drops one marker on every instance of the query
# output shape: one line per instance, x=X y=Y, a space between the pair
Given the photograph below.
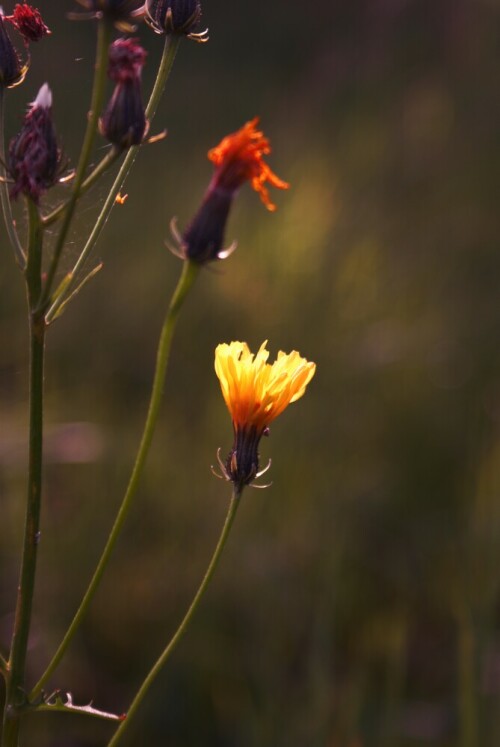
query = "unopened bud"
x=124 y=121
x=12 y=72
x=173 y=16
x=29 y=22
x=120 y=12
x=34 y=156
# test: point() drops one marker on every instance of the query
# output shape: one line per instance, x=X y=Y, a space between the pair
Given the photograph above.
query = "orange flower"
x=238 y=159
x=255 y=393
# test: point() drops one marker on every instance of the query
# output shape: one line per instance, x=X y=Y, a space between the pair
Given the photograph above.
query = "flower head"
x=255 y=393
x=124 y=121
x=29 y=22
x=120 y=12
x=34 y=156
x=175 y=17
x=12 y=72
x=126 y=60
x=238 y=158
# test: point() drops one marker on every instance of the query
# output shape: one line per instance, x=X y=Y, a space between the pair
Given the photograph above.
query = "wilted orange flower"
x=255 y=393
x=238 y=159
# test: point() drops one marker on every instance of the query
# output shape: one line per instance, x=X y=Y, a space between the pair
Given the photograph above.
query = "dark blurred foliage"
x=358 y=597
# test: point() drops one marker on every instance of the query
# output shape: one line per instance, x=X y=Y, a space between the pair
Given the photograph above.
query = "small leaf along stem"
x=186 y=280
x=98 y=89
x=167 y=60
x=19 y=644
x=161 y=661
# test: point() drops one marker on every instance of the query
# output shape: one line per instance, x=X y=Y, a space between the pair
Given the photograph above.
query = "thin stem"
x=98 y=90
x=17 y=661
x=186 y=280
x=10 y=224
x=103 y=165
x=153 y=673
x=167 y=61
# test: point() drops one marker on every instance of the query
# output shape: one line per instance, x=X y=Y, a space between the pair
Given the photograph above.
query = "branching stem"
x=167 y=61
x=189 y=272
x=19 y=645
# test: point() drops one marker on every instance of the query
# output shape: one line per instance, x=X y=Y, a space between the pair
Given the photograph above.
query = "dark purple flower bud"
x=12 y=72
x=34 y=156
x=126 y=60
x=124 y=121
x=29 y=22
x=174 y=17
x=203 y=239
x=119 y=12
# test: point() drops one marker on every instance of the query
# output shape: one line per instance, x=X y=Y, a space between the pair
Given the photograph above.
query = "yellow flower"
x=255 y=393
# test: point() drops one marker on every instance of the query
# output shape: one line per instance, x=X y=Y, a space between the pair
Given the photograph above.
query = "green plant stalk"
x=155 y=670
x=4 y=192
x=167 y=61
x=103 y=165
x=105 y=29
x=19 y=645
x=188 y=275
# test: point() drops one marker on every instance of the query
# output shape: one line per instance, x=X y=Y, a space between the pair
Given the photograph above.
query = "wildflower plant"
x=31 y=163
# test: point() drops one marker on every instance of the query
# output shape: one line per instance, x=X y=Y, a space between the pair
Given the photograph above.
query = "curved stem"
x=94 y=175
x=98 y=89
x=233 y=506
x=167 y=61
x=4 y=192
x=17 y=661
x=186 y=280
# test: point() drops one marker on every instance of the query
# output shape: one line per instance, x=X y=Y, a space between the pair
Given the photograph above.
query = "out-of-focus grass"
x=334 y=619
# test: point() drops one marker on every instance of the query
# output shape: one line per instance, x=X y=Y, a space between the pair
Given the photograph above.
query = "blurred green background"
x=357 y=603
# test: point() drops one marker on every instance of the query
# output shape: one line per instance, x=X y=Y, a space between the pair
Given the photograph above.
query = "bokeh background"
x=357 y=604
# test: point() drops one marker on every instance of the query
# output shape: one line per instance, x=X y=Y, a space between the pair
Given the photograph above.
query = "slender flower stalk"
x=189 y=273
x=167 y=61
x=4 y=192
x=17 y=660
x=163 y=658
x=103 y=39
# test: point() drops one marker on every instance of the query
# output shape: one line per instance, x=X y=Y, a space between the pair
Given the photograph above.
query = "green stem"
x=17 y=660
x=153 y=673
x=99 y=86
x=186 y=280
x=10 y=224
x=103 y=165
x=167 y=61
